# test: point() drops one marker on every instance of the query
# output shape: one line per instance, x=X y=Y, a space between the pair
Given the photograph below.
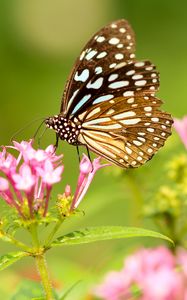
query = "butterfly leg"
x=56 y=143
x=88 y=152
x=78 y=153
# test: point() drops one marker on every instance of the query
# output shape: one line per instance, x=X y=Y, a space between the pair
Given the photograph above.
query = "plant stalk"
x=42 y=269
x=41 y=263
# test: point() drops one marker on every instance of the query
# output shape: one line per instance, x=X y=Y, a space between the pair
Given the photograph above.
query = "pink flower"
x=157 y=274
x=67 y=192
x=30 y=176
x=49 y=174
x=180 y=126
x=4 y=185
x=115 y=287
x=7 y=162
x=87 y=173
x=25 y=180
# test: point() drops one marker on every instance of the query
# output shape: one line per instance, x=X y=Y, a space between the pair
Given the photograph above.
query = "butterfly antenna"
x=26 y=126
x=42 y=134
x=38 y=129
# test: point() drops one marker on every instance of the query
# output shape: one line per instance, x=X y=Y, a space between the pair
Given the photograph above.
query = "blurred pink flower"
x=180 y=126
x=87 y=173
x=157 y=273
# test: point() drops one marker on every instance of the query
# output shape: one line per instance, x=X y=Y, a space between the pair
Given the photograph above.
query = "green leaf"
x=63 y=297
x=10 y=258
x=93 y=234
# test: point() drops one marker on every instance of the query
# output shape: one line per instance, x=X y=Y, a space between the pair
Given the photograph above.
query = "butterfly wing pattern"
x=110 y=98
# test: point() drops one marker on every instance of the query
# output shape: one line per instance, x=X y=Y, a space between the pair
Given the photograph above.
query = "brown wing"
x=126 y=131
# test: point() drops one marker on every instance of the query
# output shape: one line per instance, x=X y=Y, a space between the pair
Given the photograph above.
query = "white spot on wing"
x=112 y=65
x=118 y=84
x=102 y=54
x=139 y=64
x=114 y=41
x=120 y=65
x=100 y=39
x=122 y=30
x=98 y=70
x=96 y=84
x=140 y=82
x=128 y=94
x=91 y=54
x=83 y=76
x=119 y=56
x=130 y=72
x=137 y=76
x=113 y=77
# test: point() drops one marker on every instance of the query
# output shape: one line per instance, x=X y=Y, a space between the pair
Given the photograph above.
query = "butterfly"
x=109 y=103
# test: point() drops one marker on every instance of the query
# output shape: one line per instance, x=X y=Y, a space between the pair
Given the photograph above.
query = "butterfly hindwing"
x=127 y=131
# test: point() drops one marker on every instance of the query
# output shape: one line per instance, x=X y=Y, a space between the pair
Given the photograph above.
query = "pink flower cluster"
x=29 y=177
x=156 y=274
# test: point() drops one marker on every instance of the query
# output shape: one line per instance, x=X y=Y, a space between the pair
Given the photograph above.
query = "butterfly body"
x=67 y=130
x=109 y=103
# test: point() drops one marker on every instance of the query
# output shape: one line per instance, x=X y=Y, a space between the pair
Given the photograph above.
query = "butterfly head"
x=66 y=129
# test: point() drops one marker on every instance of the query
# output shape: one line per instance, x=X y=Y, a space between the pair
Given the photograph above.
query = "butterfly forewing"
x=111 y=47
x=133 y=78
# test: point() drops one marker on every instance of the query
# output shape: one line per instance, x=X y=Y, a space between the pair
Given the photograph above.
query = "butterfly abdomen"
x=66 y=129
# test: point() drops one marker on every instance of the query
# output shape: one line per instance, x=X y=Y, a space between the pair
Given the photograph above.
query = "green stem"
x=17 y=243
x=41 y=262
x=34 y=233
x=42 y=269
x=53 y=232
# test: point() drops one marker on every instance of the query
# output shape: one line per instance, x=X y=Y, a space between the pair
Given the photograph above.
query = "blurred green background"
x=39 y=42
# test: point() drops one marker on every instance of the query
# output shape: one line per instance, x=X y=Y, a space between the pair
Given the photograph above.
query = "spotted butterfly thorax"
x=109 y=102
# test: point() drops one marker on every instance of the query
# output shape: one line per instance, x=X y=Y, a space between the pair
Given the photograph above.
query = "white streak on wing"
x=72 y=98
x=130 y=121
x=81 y=116
x=102 y=127
x=83 y=76
x=98 y=147
x=81 y=102
x=103 y=98
x=93 y=112
x=96 y=121
x=124 y=115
